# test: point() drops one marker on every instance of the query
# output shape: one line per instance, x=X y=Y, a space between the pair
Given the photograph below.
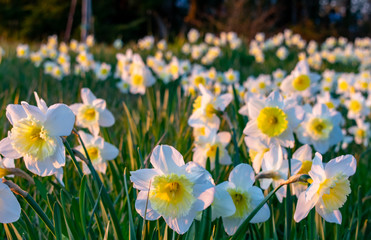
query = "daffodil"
x=92 y=112
x=206 y=106
x=36 y=135
x=361 y=132
x=172 y=189
x=98 y=150
x=357 y=106
x=275 y=163
x=329 y=189
x=231 y=76
x=320 y=128
x=207 y=147
x=245 y=198
x=102 y=71
x=273 y=119
x=22 y=50
x=193 y=35
x=257 y=149
x=260 y=85
x=301 y=81
x=10 y=210
x=325 y=98
x=138 y=76
x=301 y=163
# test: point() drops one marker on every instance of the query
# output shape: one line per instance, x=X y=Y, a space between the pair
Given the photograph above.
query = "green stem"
x=70 y=152
x=105 y=197
x=39 y=212
x=81 y=174
x=288 y=206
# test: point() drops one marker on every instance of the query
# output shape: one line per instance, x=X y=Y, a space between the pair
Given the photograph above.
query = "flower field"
x=205 y=137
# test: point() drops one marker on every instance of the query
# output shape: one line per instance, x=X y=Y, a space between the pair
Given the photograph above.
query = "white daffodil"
x=98 y=150
x=257 y=149
x=330 y=102
x=275 y=163
x=123 y=86
x=102 y=71
x=361 y=132
x=329 y=189
x=10 y=210
x=138 y=76
x=92 y=112
x=206 y=147
x=22 y=50
x=357 y=107
x=273 y=119
x=261 y=85
x=206 y=106
x=301 y=163
x=320 y=128
x=36 y=58
x=193 y=35
x=245 y=198
x=231 y=76
x=301 y=81
x=85 y=60
x=177 y=191
x=36 y=135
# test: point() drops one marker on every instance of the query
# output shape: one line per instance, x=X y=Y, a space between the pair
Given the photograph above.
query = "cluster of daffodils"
x=301 y=111
x=193 y=63
x=60 y=60
x=284 y=112
x=37 y=137
x=179 y=191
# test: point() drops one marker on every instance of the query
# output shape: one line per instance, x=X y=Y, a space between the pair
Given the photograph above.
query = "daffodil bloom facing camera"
x=10 y=210
x=36 y=135
x=357 y=106
x=245 y=198
x=102 y=71
x=22 y=50
x=172 y=189
x=320 y=128
x=361 y=132
x=98 y=150
x=92 y=112
x=329 y=189
x=301 y=81
x=273 y=120
x=206 y=106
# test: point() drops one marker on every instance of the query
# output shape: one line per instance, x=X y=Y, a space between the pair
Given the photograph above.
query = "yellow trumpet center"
x=242 y=202
x=334 y=192
x=29 y=137
x=137 y=80
x=200 y=80
x=88 y=114
x=93 y=153
x=272 y=121
x=320 y=128
x=355 y=106
x=301 y=82
x=172 y=195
